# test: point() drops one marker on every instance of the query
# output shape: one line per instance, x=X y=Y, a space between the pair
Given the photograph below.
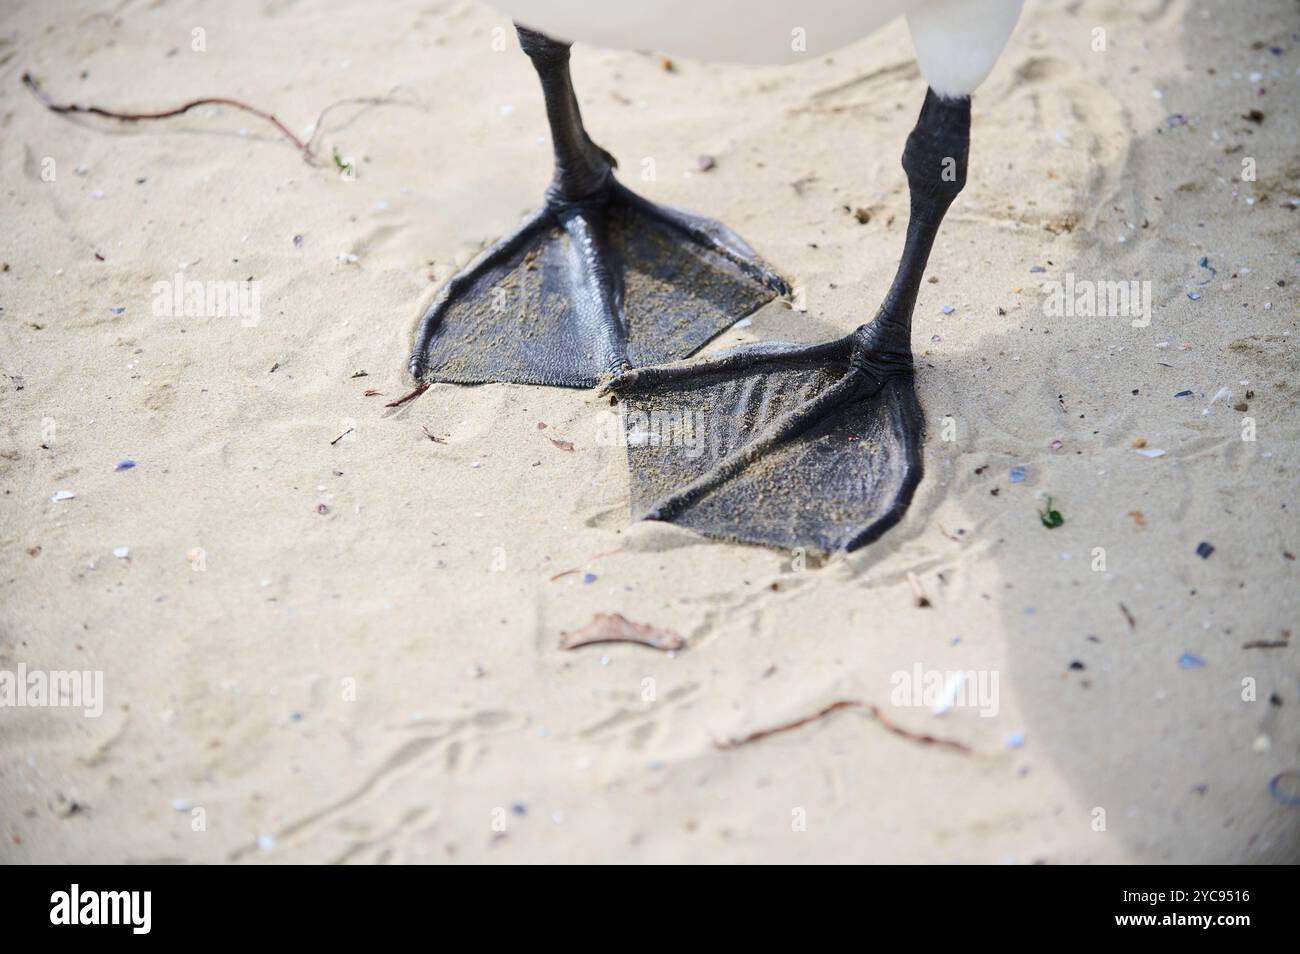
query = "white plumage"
x=957 y=41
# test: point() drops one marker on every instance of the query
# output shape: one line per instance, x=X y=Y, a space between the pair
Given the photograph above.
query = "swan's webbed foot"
x=598 y=281
x=792 y=446
x=585 y=290
x=801 y=446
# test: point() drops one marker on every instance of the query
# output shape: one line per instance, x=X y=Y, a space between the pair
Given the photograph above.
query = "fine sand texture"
x=329 y=630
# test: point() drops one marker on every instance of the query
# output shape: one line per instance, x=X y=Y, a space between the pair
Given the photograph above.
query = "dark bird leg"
x=801 y=446
x=597 y=281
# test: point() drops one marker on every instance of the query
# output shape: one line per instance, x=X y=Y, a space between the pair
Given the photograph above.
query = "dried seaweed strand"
x=923 y=738
x=735 y=743
x=38 y=91
x=593 y=559
x=410 y=396
x=873 y=711
x=307 y=148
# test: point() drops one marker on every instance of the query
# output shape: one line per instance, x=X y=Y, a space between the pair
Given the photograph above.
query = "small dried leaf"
x=616 y=628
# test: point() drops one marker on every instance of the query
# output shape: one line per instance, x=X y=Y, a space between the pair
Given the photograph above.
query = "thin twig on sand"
x=735 y=743
x=409 y=396
x=923 y=738
x=39 y=92
x=918 y=594
x=306 y=147
x=569 y=572
x=873 y=711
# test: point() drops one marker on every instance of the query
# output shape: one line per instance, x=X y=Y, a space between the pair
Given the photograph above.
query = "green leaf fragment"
x=1051 y=518
x=344 y=165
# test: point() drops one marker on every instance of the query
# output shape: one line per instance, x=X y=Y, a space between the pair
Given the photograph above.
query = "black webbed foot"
x=584 y=290
x=790 y=446
x=598 y=281
x=815 y=446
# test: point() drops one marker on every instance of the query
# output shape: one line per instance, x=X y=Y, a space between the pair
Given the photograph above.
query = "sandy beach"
x=328 y=630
